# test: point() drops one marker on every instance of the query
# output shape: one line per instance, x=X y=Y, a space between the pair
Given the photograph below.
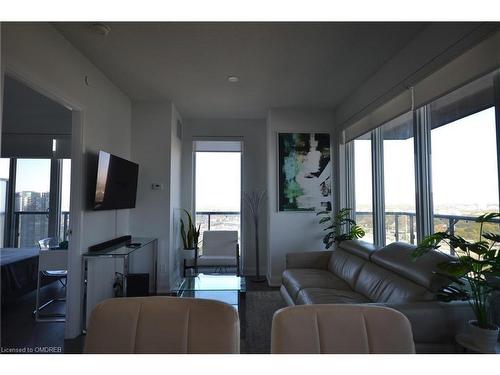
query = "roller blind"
x=35 y=146
x=217 y=146
x=471 y=65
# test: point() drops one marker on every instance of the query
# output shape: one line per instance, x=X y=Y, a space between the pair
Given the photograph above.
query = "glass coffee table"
x=230 y=289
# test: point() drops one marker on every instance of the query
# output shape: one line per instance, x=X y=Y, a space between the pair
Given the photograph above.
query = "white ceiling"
x=279 y=64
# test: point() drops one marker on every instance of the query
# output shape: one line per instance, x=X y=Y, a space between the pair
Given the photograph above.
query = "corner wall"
x=293 y=231
x=41 y=57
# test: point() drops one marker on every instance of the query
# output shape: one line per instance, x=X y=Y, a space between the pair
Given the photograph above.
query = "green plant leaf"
x=487 y=217
x=454 y=268
x=325 y=219
x=183 y=235
x=357 y=232
x=340 y=227
x=478 y=248
x=492 y=236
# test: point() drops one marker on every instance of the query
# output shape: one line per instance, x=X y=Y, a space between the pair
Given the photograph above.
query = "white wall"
x=151 y=135
x=175 y=197
x=292 y=231
x=253 y=135
x=157 y=149
x=41 y=57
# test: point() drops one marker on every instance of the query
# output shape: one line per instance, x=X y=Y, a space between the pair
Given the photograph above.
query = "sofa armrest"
x=309 y=259
x=435 y=321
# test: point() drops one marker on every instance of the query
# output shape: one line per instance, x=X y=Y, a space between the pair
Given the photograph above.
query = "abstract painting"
x=304 y=172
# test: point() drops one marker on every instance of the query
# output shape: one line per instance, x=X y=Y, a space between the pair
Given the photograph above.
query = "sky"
x=218 y=181
x=464 y=167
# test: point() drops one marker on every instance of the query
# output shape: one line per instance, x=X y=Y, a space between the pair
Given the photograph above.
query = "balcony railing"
x=218 y=220
x=403 y=227
x=32 y=226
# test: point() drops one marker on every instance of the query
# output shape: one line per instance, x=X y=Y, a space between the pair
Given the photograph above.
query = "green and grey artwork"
x=304 y=172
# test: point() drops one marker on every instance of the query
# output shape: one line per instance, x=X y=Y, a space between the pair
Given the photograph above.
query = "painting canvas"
x=304 y=172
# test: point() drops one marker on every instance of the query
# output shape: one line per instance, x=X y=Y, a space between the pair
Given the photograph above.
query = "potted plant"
x=340 y=227
x=473 y=270
x=189 y=233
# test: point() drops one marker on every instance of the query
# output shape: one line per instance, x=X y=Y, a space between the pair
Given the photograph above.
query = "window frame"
x=423 y=171
x=10 y=237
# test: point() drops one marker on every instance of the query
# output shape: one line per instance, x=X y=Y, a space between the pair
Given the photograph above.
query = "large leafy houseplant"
x=477 y=263
x=189 y=233
x=339 y=227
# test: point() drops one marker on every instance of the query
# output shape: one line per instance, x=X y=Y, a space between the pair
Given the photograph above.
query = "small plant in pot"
x=473 y=271
x=189 y=233
x=340 y=227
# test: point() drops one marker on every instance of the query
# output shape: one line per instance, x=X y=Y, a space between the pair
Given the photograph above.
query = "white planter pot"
x=483 y=339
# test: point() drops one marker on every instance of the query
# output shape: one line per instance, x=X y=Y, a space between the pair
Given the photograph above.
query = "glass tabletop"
x=204 y=282
x=120 y=249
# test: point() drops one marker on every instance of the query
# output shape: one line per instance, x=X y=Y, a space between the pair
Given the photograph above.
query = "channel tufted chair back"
x=340 y=329
x=166 y=325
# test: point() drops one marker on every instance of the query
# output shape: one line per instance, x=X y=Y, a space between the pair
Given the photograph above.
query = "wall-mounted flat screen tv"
x=116 y=183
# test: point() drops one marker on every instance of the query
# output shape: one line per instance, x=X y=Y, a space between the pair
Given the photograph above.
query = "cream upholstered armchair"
x=163 y=325
x=340 y=329
x=220 y=249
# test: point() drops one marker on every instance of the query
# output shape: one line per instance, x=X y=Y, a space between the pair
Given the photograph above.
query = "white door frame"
x=73 y=288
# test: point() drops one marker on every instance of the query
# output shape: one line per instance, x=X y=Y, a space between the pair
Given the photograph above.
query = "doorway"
x=35 y=193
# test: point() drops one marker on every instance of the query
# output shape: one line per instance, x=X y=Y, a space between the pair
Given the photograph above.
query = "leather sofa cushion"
x=359 y=248
x=340 y=329
x=162 y=325
x=435 y=322
x=381 y=285
x=396 y=257
x=310 y=296
x=295 y=280
x=346 y=266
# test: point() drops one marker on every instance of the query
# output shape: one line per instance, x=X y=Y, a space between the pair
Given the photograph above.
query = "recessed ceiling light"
x=233 y=79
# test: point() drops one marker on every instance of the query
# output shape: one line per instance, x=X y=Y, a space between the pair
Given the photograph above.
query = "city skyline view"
x=32 y=200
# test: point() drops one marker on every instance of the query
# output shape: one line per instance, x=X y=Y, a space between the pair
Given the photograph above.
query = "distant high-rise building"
x=33 y=226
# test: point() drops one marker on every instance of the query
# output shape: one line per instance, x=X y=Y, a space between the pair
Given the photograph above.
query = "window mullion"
x=55 y=197
x=349 y=199
x=496 y=86
x=378 y=187
x=423 y=172
x=10 y=235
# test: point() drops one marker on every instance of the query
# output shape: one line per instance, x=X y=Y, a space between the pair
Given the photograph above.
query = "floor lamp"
x=254 y=201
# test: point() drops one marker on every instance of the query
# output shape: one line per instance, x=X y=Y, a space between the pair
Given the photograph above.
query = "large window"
x=464 y=178
x=34 y=200
x=363 y=185
x=455 y=166
x=399 y=180
x=218 y=190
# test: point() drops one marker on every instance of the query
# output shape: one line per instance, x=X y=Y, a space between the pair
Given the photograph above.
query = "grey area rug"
x=260 y=308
